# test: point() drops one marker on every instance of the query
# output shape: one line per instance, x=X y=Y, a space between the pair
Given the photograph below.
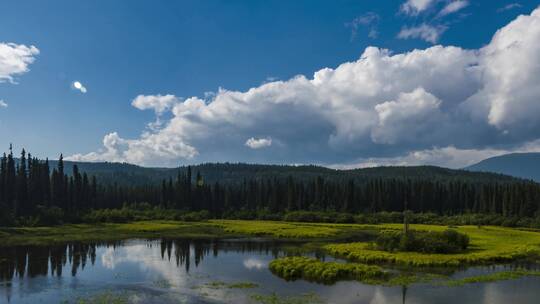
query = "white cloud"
x=510 y=93
x=158 y=103
x=15 y=59
x=509 y=6
x=423 y=31
x=453 y=7
x=3 y=104
x=257 y=143
x=77 y=85
x=449 y=156
x=399 y=120
x=439 y=105
x=414 y=7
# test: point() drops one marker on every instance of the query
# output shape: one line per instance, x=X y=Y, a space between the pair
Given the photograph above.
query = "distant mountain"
x=128 y=174
x=523 y=165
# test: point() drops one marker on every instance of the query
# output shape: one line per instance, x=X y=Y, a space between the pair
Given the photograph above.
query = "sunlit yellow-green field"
x=488 y=245
x=280 y=229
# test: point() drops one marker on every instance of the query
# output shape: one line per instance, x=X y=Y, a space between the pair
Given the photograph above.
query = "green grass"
x=492 y=277
x=279 y=229
x=488 y=245
x=105 y=232
x=159 y=228
x=311 y=269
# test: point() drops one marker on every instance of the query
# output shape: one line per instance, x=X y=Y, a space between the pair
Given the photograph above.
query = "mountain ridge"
x=130 y=174
x=522 y=165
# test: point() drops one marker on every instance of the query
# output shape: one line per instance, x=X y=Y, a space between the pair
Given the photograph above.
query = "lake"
x=209 y=271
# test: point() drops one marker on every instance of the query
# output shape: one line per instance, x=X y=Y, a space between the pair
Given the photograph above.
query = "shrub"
x=109 y=216
x=50 y=216
x=448 y=241
x=319 y=217
x=195 y=216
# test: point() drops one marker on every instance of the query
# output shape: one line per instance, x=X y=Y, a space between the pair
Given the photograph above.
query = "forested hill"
x=128 y=174
x=31 y=188
x=524 y=165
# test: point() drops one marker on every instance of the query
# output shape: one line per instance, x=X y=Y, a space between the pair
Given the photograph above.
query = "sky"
x=336 y=83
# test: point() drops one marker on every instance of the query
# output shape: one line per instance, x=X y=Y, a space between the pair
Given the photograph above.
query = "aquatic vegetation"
x=310 y=298
x=487 y=245
x=220 y=284
x=243 y=285
x=492 y=277
x=311 y=269
x=106 y=297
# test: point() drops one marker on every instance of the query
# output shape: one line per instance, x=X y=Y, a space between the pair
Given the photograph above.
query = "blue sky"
x=119 y=50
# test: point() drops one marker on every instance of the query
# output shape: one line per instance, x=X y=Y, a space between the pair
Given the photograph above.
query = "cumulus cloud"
x=414 y=7
x=440 y=105
x=77 y=85
x=257 y=143
x=398 y=120
x=426 y=32
x=15 y=59
x=158 y=103
x=3 y=104
x=453 y=7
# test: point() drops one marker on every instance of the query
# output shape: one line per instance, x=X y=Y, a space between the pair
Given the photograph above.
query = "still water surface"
x=202 y=271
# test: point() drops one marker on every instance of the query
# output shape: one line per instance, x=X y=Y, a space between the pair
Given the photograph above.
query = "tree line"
x=28 y=187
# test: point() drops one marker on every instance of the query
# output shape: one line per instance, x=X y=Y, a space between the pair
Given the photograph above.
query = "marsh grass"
x=105 y=297
x=278 y=229
x=492 y=277
x=310 y=298
x=222 y=285
x=488 y=245
x=106 y=232
x=311 y=269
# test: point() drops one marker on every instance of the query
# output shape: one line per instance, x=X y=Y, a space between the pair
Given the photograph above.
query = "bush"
x=319 y=217
x=449 y=241
x=195 y=216
x=109 y=216
x=49 y=216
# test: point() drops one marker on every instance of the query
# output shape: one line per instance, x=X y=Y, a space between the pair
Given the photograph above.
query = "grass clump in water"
x=243 y=285
x=106 y=297
x=275 y=299
x=237 y=285
x=311 y=269
x=493 y=277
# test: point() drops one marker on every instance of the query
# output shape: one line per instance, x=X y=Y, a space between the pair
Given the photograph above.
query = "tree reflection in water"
x=52 y=260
